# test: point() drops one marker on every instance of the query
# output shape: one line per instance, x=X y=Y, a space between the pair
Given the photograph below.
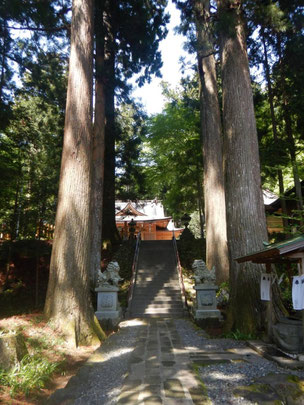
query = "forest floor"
x=44 y=341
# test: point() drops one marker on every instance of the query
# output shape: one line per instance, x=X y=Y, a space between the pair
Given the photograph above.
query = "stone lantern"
x=132 y=227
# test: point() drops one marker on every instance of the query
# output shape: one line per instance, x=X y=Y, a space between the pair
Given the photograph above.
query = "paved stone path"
x=144 y=363
x=159 y=370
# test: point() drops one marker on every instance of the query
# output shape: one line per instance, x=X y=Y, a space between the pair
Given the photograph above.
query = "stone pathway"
x=163 y=361
x=144 y=363
x=159 y=370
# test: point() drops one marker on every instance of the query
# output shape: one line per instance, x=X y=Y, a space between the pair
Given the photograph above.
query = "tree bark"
x=68 y=301
x=246 y=221
x=274 y=129
x=109 y=231
x=98 y=145
x=212 y=142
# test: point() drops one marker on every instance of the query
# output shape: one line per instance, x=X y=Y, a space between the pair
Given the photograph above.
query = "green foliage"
x=279 y=48
x=124 y=256
x=222 y=294
x=173 y=151
x=30 y=375
x=31 y=151
x=238 y=335
x=19 y=48
x=129 y=179
x=190 y=249
x=18 y=282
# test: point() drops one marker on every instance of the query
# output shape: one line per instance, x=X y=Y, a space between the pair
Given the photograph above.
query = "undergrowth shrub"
x=30 y=375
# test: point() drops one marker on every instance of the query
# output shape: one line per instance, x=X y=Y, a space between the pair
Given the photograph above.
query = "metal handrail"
x=180 y=273
x=134 y=273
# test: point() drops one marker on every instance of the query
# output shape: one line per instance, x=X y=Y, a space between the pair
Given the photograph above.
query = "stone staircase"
x=157 y=290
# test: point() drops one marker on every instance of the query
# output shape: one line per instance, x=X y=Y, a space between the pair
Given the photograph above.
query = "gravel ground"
x=109 y=375
x=221 y=379
x=100 y=380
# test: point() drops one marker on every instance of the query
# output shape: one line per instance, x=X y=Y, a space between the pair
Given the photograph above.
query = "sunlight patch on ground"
x=133 y=322
x=226 y=377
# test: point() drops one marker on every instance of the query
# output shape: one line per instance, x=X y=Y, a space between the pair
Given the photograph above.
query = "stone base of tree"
x=12 y=350
x=288 y=335
x=108 y=309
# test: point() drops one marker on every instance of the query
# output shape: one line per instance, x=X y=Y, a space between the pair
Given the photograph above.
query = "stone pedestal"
x=107 y=304
x=206 y=302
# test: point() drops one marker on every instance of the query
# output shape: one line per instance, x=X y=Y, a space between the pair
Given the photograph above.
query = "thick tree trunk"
x=109 y=231
x=246 y=221
x=68 y=301
x=274 y=130
x=212 y=141
x=98 y=145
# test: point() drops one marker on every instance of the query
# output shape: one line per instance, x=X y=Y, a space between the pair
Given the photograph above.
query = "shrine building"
x=149 y=219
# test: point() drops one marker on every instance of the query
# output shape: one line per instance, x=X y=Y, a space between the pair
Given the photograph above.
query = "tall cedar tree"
x=98 y=145
x=212 y=142
x=45 y=19
x=68 y=301
x=246 y=222
x=132 y=31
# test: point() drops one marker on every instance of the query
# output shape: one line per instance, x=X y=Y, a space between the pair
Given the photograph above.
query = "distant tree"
x=130 y=178
x=278 y=45
x=41 y=21
x=68 y=301
x=173 y=153
x=32 y=145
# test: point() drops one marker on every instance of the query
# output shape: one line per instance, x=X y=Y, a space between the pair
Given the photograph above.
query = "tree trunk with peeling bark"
x=110 y=235
x=68 y=302
x=98 y=145
x=212 y=142
x=246 y=221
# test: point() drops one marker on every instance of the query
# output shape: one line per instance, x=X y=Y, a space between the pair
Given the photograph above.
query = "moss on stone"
x=199 y=394
x=260 y=388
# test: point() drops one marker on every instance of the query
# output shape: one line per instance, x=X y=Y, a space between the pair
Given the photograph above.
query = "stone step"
x=158 y=285
x=179 y=315
x=157 y=311
x=154 y=290
x=173 y=306
x=162 y=280
x=157 y=297
x=167 y=282
x=160 y=298
x=157 y=290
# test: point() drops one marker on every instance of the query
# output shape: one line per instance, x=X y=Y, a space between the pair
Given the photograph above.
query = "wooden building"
x=149 y=219
x=273 y=207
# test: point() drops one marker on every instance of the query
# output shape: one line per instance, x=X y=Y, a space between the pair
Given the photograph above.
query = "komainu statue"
x=110 y=277
x=202 y=275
